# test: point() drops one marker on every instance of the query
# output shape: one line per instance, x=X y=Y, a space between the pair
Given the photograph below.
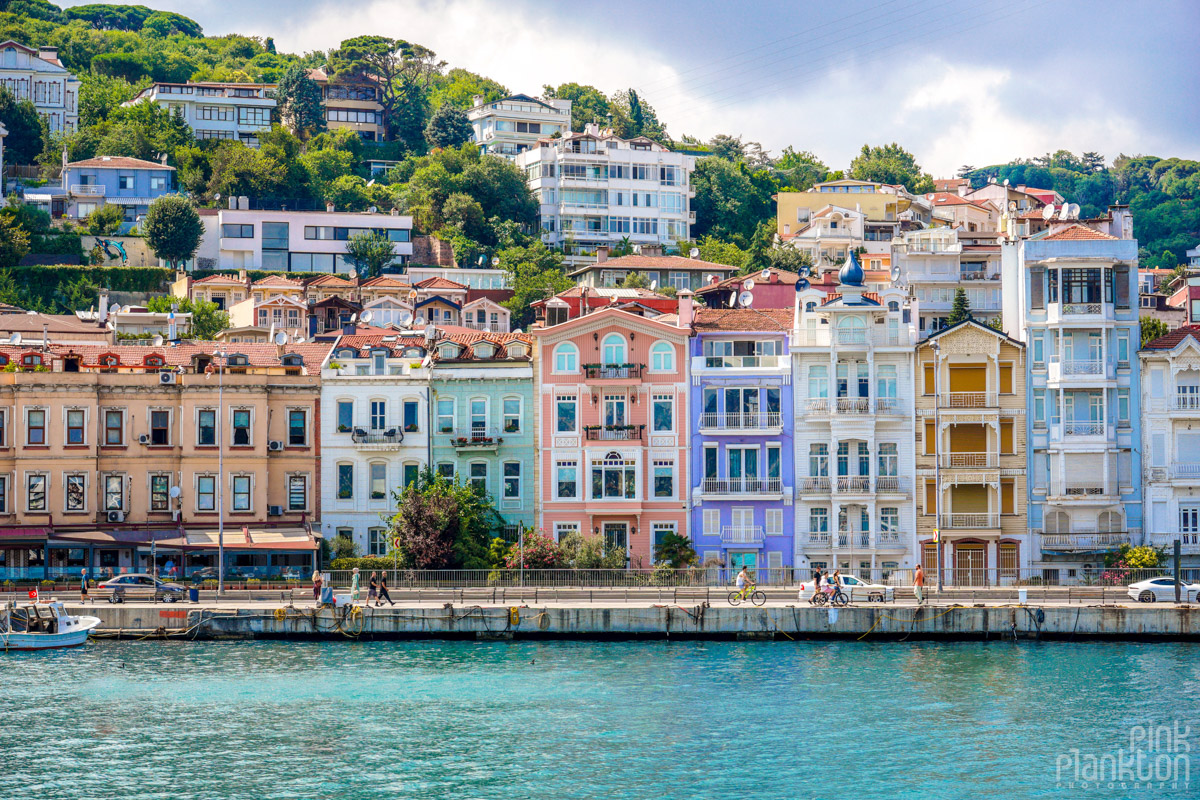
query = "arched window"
x=612 y=351
x=1110 y=521
x=1058 y=522
x=566 y=358
x=810 y=306
x=893 y=305
x=662 y=357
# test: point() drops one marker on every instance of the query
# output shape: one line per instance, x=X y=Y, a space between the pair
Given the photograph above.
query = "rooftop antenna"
x=895 y=273
x=694 y=252
x=1048 y=212
x=15 y=338
x=495 y=261
x=745 y=299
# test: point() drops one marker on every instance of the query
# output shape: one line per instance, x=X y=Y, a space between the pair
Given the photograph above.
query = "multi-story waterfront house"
x=970 y=459
x=111 y=451
x=485 y=419
x=596 y=189
x=39 y=76
x=85 y=186
x=1170 y=371
x=854 y=427
x=514 y=124
x=375 y=392
x=741 y=443
x=678 y=272
x=957 y=211
x=351 y=105
x=293 y=241
x=613 y=427
x=1072 y=293
x=935 y=262
x=234 y=111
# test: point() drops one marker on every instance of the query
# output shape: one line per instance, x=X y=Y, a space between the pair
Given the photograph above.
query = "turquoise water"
x=584 y=720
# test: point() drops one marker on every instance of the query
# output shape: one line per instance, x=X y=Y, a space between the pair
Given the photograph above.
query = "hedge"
x=364 y=564
x=42 y=280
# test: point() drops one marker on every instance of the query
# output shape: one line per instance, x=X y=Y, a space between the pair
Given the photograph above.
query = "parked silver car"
x=138 y=584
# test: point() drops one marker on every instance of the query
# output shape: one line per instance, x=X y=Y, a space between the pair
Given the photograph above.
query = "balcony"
x=476 y=438
x=614 y=433
x=1186 y=401
x=1091 y=542
x=857 y=540
x=1082 y=371
x=1086 y=428
x=389 y=439
x=744 y=536
x=853 y=484
x=971 y=521
x=1189 y=543
x=487 y=327
x=742 y=487
x=968 y=400
x=888 y=405
x=852 y=405
x=969 y=460
x=761 y=362
x=756 y=422
x=852 y=337
x=605 y=374
x=87 y=190
x=891 y=484
x=890 y=540
x=814 y=485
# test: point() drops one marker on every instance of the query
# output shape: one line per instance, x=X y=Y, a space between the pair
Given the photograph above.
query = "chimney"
x=329 y=208
x=48 y=53
x=102 y=317
x=601 y=253
x=232 y=203
x=162 y=157
x=685 y=308
x=476 y=99
x=964 y=188
x=1020 y=187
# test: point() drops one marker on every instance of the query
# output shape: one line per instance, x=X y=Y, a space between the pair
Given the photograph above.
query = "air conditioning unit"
x=274 y=511
x=116 y=516
x=168 y=378
x=144 y=439
x=275 y=445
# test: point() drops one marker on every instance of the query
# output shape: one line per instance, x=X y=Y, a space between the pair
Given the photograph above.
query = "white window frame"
x=196 y=478
x=371 y=465
x=656 y=351
x=303 y=477
x=504 y=415
x=472 y=477
x=249 y=430
x=773 y=523
x=66 y=493
x=66 y=413
x=610 y=340
x=45 y=506
x=45 y=412
x=440 y=418
x=233 y=479
x=149 y=426
x=569 y=351
x=664 y=463
x=560 y=464
x=505 y=478
x=563 y=528
x=655 y=399
x=105 y=479
x=574 y=400
x=711 y=521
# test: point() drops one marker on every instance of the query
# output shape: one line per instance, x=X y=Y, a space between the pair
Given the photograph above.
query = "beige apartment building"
x=971 y=455
x=109 y=450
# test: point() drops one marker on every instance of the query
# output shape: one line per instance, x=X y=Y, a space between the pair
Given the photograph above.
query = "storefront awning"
x=196 y=539
x=22 y=535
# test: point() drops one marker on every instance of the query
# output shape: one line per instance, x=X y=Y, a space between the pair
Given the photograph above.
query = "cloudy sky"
x=955 y=81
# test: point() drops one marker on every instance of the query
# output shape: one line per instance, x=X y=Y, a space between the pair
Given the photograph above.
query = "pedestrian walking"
x=354 y=585
x=919 y=584
x=383 y=592
x=316 y=580
x=83 y=586
x=373 y=589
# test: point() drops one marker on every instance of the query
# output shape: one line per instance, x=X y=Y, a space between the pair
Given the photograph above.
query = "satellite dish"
x=175 y=492
x=895 y=273
x=158 y=340
x=801 y=285
x=367 y=316
x=1064 y=211
x=732 y=302
x=1073 y=211
x=281 y=338
x=748 y=284
x=694 y=252
x=745 y=299
x=805 y=270
x=495 y=261
x=1006 y=181
x=15 y=338
x=654 y=286
x=412 y=294
x=114 y=308
x=406 y=318
x=353 y=274
x=353 y=318
x=482 y=260
x=372 y=209
x=518 y=330
x=1012 y=205
x=430 y=331
x=765 y=275
x=1048 y=212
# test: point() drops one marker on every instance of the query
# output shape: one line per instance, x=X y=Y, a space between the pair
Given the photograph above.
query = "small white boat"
x=43 y=626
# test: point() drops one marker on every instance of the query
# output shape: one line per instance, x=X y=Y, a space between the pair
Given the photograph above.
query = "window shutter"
x=930 y=496
x=1037 y=285
x=774 y=560
x=1008 y=497
x=929 y=378
x=1006 y=379
x=1006 y=437
x=930 y=438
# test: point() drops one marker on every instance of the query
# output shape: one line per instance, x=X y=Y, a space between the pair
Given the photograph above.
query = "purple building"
x=741 y=453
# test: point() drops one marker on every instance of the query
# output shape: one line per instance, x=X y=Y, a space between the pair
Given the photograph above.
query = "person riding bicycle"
x=743 y=579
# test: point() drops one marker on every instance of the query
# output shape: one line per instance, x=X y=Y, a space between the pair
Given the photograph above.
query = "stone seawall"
x=715 y=622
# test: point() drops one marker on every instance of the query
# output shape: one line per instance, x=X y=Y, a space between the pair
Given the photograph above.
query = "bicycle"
x=837 y=598
x=751 y=593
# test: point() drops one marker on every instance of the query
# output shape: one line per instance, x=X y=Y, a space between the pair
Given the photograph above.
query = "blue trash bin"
x=194 y=594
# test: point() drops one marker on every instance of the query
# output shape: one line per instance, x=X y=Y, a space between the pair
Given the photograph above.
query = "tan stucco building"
x=971 y=466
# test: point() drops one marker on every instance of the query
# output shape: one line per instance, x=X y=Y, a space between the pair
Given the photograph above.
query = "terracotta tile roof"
x=495 y=295
x=385 y=282
x=440 y=283
x=948 y=199
x=25 y=322
x=835 y=296
x=331 y=281
x=1078 y=232
x=771 y=320
x=279 y=280
x=120 y=162
x=456 y=333
x=658 y=262
x=395 y=341
x=220 y=279
x=257 y=355
x=1173 y=338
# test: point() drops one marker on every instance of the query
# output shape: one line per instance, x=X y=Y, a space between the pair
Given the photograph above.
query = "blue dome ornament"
x=851 y=273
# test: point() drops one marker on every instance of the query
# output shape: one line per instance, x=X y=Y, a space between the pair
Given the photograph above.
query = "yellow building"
x=971 y=455
x=108 y=450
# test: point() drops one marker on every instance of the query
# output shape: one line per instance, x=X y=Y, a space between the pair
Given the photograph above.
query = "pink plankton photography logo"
x=1157 y=756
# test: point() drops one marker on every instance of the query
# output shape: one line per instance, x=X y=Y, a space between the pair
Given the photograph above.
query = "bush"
x=364 y=564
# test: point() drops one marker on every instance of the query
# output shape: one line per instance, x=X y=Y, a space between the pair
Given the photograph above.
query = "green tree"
x=727 y=147
x=166 y=23
x=14 y=241
x=106 y=220
x=588 y=104
x=458 y=87
x=1153 y=328
x=539 y=552
x=890 y=163
x=787 y=258
x=716 y=251
x=799 y=171
x=442 y=524
x=632 y=116
x=961 y=310
x=465 y=212
x=635 y=280
x=131 y=67
x=448 y=127
x=172 y=229
x=371 y=252
x=299 y=101
x=207 y=319
x=20 y=118
x=535 y=273
x=965 y=170
x=677 y=551
x=401 y=69
x=99 y=95
x=731 y=200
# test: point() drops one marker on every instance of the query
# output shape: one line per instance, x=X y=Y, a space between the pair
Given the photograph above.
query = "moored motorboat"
x=42 y=626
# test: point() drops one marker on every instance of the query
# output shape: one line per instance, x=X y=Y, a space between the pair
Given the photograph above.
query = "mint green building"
x=482 y=427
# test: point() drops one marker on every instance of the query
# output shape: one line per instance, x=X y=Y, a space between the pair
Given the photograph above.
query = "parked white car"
x=1162 y=589
x=858 y=590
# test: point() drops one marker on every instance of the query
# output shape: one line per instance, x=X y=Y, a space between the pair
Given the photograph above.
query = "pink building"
x=614 y=428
